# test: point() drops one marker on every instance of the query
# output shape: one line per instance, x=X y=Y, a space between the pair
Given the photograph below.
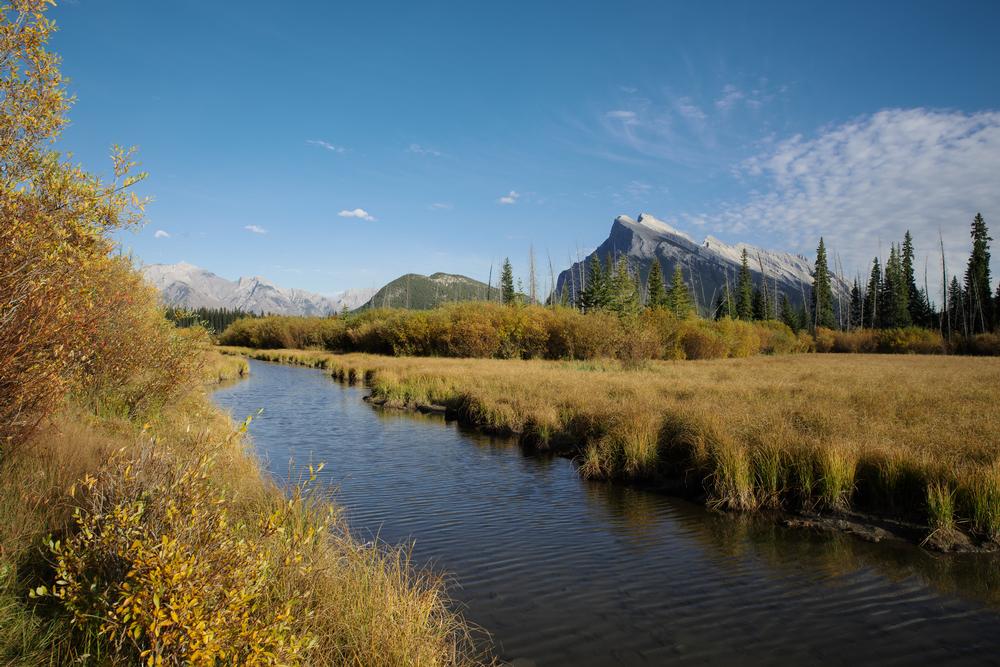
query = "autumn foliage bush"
x=489 y=330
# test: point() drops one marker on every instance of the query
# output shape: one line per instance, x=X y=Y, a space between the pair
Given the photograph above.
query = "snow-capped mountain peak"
x=188 y=286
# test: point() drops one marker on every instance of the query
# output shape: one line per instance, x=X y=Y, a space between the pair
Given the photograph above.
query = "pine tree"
x=759 y=305
x=591 y=298
x=956 y=307
x=915 y=304
x=622 y=295
x=744 y=290
x=872 y=296
x=788 y=314
x=656 y=295
x=507 y=283
x=679 y=296
x=857 y=307
x=996 y=309
x=894 y=310
x=979 y=306
x=822 y=293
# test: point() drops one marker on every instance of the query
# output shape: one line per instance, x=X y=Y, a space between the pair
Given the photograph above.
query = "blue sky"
x=335 y=145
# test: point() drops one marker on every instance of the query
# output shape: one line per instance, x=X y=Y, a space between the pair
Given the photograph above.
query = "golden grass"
x=867 y=432
x=264 y=553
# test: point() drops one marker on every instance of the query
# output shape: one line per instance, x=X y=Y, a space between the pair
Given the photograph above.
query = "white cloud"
x=686 y=107
x=626 y=117
x=255 y=229
x=160 y=234
x=510 y=198
x=862 y=184
x=359 y=213
x=327 y=145
x=631 y=90
x=441 y=206
x=730 y=96
x=422 y=150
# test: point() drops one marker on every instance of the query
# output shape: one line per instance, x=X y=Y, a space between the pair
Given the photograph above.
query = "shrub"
x=911 y=340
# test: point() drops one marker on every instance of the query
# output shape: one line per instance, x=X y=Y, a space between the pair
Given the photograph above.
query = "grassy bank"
x=123 y=540
x=914 y=438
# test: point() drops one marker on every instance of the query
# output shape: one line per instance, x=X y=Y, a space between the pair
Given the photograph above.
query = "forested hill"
x=419 y=292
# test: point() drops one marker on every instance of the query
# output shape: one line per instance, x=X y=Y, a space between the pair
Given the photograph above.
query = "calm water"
x=568 y=572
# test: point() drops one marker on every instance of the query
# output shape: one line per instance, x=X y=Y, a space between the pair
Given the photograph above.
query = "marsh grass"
x=286 y=563
x=802 y=431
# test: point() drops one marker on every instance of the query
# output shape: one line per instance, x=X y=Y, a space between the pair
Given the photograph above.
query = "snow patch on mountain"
x=188 y=286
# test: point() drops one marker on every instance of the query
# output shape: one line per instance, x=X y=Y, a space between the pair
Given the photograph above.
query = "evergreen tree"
x=759 y=305
x=507 y=283
x=744 y=290
x=622 y=295
x=979 y=306
x=857 y=307
x=822 y=292
x=788 y=314
x=656 y=294
x=956 y=307
x=872 y=296
x=592 y=295
x=996 y=309
x=724 y=306
x=894 y=311
x=679 y=296
x=915 y=304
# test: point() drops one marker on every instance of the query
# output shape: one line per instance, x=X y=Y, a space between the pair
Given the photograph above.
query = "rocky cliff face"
x=188 y=286
x=708 y=266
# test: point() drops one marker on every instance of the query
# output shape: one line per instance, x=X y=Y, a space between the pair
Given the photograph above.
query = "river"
x=562 y=571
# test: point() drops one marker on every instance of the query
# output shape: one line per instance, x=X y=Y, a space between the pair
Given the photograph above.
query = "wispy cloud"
x=862 y=184
x=623 y=115
x=509 y=198
x=326 y=145
x=255 y=229
x=702 y=132
x=730 y=96
x=359 y=213
x=686 y=107
x=417 y=149
x=441 y=206
x=160 y=234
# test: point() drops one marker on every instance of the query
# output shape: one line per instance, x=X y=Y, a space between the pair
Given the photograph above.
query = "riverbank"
x=909 y=443
x=162 y=537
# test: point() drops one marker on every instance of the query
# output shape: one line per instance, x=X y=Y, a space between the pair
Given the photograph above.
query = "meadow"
x=913 y=438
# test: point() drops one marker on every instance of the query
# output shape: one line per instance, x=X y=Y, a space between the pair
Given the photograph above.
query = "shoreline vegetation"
x=137 y=527
x=911 y=442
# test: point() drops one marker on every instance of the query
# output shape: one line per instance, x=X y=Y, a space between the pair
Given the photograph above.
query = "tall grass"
x=835 y=432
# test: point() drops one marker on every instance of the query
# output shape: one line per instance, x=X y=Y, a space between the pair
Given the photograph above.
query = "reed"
x=813 y=431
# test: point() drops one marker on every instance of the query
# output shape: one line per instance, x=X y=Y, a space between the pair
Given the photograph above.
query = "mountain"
x=707 y=265
x=418 y=292
x=188 y=286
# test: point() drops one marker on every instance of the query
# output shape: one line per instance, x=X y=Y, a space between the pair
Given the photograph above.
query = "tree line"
x=890 y=299
x=215 y=320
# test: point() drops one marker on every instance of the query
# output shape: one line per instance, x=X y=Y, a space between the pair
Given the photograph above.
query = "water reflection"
x=569 y=572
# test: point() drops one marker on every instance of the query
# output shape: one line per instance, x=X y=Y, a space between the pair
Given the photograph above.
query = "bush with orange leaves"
x=55 y=269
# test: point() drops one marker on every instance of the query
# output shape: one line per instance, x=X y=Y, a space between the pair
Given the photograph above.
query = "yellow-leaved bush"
x=160 y=567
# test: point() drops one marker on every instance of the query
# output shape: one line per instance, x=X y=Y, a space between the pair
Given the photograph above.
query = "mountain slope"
x=419 y=292
x=708 y=266
x=187 y=286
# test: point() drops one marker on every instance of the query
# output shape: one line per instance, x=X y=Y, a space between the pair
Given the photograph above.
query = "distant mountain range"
x=708 y=266
x=187 y=286
x=421 y=292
